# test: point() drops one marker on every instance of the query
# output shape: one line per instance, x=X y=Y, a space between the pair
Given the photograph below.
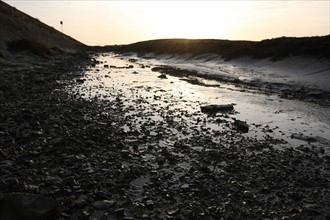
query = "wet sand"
x=138 y=87
x=110 y=143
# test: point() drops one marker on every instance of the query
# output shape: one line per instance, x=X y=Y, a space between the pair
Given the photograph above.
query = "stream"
x=170 y=108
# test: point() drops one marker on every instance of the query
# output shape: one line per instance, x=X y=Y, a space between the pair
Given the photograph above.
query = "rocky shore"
x=70 y=159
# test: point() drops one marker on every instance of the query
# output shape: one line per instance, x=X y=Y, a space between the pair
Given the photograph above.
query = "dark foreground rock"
x=61 y=146
x=241 y=126
x=213 y=109
x=27 y=206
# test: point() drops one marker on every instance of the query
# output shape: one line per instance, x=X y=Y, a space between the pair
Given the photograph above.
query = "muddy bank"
x=283 y=90
x=88 y=156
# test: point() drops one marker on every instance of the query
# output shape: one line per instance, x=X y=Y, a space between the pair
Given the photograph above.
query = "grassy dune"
x=275 y=49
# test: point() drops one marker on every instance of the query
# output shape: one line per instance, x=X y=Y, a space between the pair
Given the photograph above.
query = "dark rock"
x=3 y=154
x=149 y=203
x=6 y=164
x=81 y=201
x=28 y=207
x=213 y=109
x=303 y=137
x=241 y=126
x=186 y=212
x=247 y=194
x=120 y=211
x=57 y=141
x=314 y=208
x=185 y=186
x=90 y=142
x=172 y=211
x=11 y=181
x=162 y=76
x=104 y=204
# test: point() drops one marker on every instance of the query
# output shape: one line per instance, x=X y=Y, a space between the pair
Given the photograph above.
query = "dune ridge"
x=274 y=49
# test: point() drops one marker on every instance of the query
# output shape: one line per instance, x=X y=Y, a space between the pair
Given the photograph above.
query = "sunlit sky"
x=120 y=22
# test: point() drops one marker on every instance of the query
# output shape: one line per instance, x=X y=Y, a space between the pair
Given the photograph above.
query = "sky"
x=109 y=22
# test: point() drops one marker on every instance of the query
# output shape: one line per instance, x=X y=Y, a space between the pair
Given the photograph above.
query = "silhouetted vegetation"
x=275 y=49
x=280 y=48
x=29 y=45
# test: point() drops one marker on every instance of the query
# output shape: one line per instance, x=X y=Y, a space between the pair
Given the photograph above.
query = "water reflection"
x=170 y=108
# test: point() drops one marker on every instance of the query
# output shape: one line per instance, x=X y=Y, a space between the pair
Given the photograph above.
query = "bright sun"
x=196 y=19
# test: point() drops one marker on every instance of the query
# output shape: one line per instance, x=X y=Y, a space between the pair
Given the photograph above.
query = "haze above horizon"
x=121 y=22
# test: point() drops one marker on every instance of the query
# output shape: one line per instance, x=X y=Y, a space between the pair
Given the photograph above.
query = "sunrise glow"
x=121 y=22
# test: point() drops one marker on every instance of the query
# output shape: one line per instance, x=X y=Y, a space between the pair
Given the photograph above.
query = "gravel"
x=73 y=151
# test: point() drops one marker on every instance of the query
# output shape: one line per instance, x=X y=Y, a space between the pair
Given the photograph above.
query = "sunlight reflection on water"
x=142 y=94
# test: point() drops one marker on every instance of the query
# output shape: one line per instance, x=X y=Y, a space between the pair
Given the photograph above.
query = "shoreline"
x=61 y=146
x=289 y=79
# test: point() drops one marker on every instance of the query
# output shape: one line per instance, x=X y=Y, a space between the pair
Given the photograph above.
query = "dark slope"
x=20 y=31
x=276 y=49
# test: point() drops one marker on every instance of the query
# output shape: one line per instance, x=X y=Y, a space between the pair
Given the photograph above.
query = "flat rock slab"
x=28 y=207
x=212 y=109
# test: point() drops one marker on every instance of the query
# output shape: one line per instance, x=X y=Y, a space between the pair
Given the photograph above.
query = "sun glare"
x=123 y=22
x=187 y=19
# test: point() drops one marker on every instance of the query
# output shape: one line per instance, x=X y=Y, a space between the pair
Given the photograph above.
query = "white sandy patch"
x=302 y=71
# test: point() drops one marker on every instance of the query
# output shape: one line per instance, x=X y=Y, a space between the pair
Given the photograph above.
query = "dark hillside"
x=275 y=49
x=19 y=31
x=279 y=48
x=185 y=46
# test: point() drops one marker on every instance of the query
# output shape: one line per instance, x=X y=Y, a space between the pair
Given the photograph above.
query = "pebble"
x=103 y=204
x=247 y=194
x=82 y=159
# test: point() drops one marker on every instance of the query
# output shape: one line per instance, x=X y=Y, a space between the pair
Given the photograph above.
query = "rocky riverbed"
x=108 y=151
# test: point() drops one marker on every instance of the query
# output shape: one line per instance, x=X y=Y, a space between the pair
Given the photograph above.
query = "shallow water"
x=291 y=73
x=153 y=103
